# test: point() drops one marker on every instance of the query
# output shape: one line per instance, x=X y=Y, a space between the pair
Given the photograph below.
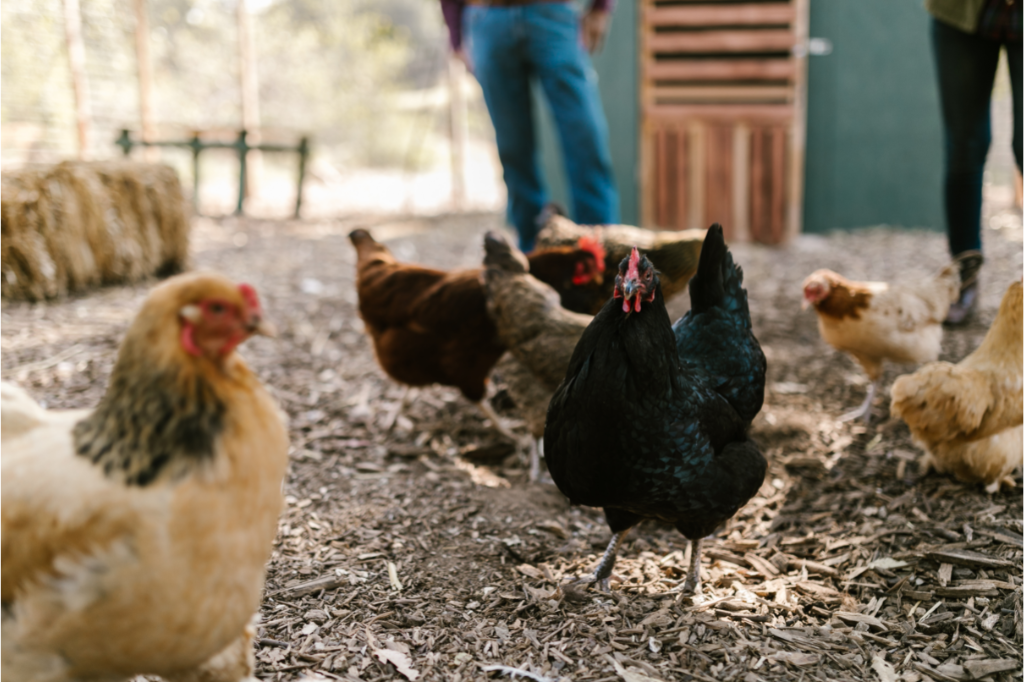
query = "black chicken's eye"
x=216 y=308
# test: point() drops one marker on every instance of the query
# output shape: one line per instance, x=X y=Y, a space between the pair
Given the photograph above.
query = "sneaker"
x=961 y=311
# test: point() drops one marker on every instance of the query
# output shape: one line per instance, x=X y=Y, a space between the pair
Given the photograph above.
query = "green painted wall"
x=616 y=68
x=874 y=139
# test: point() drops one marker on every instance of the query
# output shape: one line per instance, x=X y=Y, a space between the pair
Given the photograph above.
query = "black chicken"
x=651 y=420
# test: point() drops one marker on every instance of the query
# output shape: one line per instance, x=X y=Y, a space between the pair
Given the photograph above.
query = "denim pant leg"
x=966 y=66
x=570 y=85
x=496 y=47
x=1013 y=58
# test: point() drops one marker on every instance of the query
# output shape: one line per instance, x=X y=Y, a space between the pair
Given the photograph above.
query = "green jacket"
x=961 y=14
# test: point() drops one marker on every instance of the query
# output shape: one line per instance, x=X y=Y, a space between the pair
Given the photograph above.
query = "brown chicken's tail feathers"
x=941 y=401
x=499 y=255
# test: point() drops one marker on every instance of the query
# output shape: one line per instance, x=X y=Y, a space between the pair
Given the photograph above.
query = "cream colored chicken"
x=876 y=321
x=135 y=534
x=968 y=417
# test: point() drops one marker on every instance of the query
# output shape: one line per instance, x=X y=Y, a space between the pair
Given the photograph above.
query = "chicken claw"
x=602 y=575
x=865 y=408
x=691 y=586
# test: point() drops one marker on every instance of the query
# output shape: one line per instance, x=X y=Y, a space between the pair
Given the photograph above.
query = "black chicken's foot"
x=691 y=586
x=865 y=408
x=602 y=575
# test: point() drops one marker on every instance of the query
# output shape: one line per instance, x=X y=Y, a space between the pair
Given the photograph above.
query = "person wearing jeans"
x=967 y=37
x=508 y=44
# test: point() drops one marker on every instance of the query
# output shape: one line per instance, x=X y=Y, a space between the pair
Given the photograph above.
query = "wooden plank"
x=775 y=94
x=660 y=173
x=718 y=186
x=720 y=15
x=682 y=179
x=782 y=69
x=732 y=112
x=756 y=211
x=778 y=179
x=697 y=176
x=689 y=42
x=741 y=183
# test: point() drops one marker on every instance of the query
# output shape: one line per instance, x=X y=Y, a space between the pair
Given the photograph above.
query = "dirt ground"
x=425 y=553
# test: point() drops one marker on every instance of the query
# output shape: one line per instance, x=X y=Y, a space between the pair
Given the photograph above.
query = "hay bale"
x=77 y=225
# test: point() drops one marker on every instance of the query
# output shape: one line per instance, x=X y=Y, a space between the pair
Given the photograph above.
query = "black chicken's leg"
x=603 y=573
x=692 y=583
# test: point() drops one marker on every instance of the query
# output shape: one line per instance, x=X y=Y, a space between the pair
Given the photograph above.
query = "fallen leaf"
x=885 y=671
x=399 y=660
x=631 y=676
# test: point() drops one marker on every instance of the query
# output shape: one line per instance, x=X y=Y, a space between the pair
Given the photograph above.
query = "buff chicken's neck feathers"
x=135 y=536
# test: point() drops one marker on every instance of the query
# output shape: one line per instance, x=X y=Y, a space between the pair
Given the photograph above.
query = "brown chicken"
x=575 y=271
x=674 y=253
x=431 y=326
x=134 y=536
x=539 y=333
x=875 y=321
x=968 y=416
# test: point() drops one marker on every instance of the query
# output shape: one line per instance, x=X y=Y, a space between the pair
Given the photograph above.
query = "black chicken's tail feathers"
x=719 y=281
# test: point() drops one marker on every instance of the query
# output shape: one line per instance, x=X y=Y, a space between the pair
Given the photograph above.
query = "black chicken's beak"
x=629 y=288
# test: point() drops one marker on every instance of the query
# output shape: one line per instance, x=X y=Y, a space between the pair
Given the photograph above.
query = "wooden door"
x=722 y=100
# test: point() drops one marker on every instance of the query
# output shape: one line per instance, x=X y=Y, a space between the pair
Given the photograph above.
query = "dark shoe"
x=961 y=311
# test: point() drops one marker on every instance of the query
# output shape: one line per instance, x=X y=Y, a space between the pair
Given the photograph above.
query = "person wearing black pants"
x=967 y=37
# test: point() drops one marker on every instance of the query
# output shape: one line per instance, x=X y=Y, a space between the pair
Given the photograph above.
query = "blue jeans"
x=966 y=66
x=509 y=46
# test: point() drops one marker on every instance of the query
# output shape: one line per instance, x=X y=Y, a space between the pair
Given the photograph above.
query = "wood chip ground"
x=425 y=554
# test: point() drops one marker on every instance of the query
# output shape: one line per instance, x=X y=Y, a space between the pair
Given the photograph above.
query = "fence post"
x=303 y=155
x=242 y=149
x=197 y=146
x=125 y=141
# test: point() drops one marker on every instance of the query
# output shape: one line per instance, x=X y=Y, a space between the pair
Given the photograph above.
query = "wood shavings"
x=775 y=577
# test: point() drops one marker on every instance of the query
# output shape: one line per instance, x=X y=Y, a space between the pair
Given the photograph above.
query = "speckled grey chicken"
x=539 y=333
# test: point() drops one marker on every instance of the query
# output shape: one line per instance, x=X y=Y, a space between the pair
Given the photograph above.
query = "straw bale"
x=77 y=225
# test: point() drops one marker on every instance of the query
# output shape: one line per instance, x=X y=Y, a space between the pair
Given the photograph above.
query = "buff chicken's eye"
x=217 y=308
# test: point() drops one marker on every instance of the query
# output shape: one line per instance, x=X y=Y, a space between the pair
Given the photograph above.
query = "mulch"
x=424 y=552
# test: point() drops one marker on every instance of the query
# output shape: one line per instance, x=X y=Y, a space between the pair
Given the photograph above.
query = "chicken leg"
x=865 y=408
x=403 y=403
x=603 y=573
x=692 y=583
x=489 y=413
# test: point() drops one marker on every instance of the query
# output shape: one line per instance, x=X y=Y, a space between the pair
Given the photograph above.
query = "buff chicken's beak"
x=257 y=325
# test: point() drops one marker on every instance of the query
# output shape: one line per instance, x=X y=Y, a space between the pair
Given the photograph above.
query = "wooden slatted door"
x=723 y=115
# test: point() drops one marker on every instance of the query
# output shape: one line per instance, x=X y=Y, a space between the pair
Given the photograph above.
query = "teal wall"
x=874 y=138
x=618 y=81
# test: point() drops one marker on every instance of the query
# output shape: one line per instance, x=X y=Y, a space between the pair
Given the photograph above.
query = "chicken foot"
x=536 y=452
x=602 y=575
x=489 y=413
x=408 y=395
x=865 y=408
x=692 y=583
